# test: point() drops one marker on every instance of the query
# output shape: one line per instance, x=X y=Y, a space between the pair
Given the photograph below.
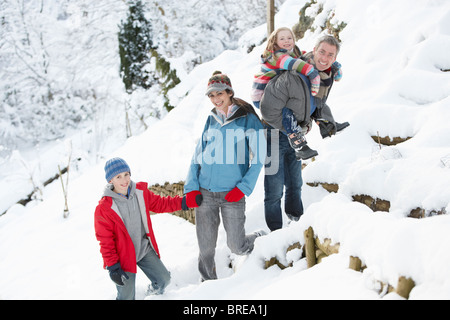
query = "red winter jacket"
x=115 y=242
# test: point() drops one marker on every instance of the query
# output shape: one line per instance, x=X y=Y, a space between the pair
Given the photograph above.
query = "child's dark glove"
x=118 y=276
x=192 y=199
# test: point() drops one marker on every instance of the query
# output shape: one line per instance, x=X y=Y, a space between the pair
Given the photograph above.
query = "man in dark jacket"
x=290 y=91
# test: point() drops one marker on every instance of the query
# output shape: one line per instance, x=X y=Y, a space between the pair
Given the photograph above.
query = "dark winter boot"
x=297 y=141
x=305 y=153
x=327 y=128
x=341 y=126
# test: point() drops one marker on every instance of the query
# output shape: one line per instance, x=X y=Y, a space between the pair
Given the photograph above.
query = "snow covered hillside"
x=59 y=78
x=394 y=56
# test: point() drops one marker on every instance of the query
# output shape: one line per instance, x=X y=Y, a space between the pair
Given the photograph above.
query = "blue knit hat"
x=115 y=166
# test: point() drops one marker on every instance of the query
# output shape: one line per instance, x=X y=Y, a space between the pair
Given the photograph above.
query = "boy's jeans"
x=207 y=222
x=154 y=269
x=289 y=175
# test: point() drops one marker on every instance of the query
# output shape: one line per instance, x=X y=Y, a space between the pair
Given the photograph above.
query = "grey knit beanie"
x=219 y=82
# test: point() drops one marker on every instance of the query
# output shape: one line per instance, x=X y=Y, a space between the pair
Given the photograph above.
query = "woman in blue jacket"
x=224 y=169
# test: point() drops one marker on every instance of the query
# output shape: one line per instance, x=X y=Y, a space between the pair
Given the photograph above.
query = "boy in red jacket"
x=124 y=229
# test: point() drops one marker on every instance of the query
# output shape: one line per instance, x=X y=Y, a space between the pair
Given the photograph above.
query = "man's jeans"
x=289 y=175
x=154 y=269
x=207 y=221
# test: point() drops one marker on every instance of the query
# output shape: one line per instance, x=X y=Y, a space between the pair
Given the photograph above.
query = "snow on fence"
x=377 y=204
x=314 y=250
x=396 y=254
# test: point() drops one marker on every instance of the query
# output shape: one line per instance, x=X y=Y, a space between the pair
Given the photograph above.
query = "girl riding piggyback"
x=281 y=55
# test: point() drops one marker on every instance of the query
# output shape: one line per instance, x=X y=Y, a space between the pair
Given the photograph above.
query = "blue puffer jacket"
x=230 y=154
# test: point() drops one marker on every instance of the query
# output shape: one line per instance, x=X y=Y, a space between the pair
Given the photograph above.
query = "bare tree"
x=65 y=185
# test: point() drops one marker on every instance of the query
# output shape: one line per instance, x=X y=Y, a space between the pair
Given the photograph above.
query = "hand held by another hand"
x=192 y=199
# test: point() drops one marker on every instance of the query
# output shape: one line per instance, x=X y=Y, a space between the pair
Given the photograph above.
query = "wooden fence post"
x=270 y=17
x=404 y=287
x=355 y=263
x=310 y=247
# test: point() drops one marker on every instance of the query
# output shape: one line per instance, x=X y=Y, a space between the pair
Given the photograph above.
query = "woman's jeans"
x=207 y=221
x=289 y=175
x=154 y=269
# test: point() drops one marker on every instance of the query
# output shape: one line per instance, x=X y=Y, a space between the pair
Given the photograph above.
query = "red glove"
x=193 y=199
x=234 y=195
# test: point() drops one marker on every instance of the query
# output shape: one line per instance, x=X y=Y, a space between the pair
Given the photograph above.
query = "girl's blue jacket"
x=231 y=153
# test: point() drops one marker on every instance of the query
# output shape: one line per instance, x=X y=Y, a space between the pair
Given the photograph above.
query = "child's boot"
x=341 y=126
x=328 y=129
x=296 y=140
x=305 y=153
x=299 y=144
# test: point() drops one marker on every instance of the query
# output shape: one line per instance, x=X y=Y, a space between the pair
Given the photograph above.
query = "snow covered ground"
x=392 y=56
